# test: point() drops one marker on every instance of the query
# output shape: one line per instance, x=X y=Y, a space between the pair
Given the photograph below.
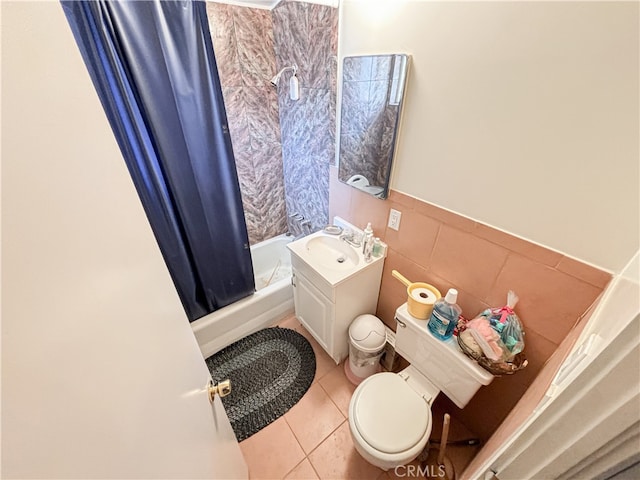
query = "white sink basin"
x=332 y=253
x=328 y=256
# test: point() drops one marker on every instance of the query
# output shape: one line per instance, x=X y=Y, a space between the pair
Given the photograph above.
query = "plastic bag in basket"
x=505 y=339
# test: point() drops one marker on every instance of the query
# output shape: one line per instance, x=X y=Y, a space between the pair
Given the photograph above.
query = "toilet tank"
x=443 y=363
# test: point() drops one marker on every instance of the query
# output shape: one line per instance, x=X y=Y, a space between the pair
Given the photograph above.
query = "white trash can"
x=367 y=337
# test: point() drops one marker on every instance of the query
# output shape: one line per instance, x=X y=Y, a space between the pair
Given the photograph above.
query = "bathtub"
x=272 y=301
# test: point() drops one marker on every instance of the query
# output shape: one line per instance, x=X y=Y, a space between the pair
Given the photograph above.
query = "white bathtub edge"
x=262 y=309
x=264 y=320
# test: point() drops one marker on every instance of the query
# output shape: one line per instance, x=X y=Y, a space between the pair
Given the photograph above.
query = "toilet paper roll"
x=424 y=295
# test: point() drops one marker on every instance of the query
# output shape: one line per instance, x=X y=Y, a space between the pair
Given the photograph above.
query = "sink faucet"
x=351 y=237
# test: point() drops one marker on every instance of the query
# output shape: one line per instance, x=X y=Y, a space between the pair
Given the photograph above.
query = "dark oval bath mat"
x=270 y=370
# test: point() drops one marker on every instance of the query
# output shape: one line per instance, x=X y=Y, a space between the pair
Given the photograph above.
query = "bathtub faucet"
x=304 y=225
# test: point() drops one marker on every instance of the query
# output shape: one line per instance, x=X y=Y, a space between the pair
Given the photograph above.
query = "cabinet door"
x=314 y=310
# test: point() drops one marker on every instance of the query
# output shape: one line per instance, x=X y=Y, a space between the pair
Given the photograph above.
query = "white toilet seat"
x=390 y=422
x=389 y=415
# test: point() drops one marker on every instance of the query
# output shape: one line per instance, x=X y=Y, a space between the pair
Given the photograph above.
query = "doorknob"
x=222 y=389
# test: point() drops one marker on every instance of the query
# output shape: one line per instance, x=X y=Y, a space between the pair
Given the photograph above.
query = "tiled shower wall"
x=448 y=250
x=244 y=49
x=307 y=35
x=283 y=148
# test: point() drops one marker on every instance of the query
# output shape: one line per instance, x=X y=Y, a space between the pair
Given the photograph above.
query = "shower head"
x=276 y=79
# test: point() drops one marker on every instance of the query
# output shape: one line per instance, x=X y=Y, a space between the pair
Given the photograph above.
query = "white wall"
x=521 y=115
x=93 y=332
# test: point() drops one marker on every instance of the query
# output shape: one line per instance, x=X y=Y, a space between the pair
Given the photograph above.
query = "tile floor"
x=312 y=440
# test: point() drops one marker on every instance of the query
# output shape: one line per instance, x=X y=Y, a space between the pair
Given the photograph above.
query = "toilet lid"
x=389 y=415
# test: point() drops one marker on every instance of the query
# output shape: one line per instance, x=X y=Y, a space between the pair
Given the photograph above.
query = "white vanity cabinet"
x=327 y=303
x=313 y=309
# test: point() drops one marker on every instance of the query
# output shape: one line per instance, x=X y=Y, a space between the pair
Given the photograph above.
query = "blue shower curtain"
x=153 y=67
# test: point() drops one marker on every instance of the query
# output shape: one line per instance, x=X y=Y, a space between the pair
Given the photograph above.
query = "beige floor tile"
x=336 y=458
x=303 y=471
x=313 y=418
x=272 y=452
x=289 y=321
x=338 y=387
x=324 y=363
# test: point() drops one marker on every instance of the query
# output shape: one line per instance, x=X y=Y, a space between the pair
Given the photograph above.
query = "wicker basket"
x=496 y=368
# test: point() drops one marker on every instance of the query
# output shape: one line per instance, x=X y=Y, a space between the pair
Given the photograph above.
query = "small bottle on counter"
x=444 y=316
x=377 y=247
x=367 y=243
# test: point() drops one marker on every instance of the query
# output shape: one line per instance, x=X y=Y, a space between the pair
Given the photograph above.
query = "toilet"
x=361 y=182
x=390 y=413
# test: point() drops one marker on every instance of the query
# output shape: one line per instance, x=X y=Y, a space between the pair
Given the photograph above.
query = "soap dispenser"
x=367 y=243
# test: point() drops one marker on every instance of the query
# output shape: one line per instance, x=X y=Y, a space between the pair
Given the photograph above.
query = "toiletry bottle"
x=377 y=247
x=367 y=242
x=444 y=317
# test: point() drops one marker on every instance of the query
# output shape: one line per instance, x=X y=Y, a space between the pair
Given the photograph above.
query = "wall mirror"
x=373 y=90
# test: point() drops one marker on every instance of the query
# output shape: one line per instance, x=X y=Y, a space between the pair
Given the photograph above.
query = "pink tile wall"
x=529 y=401
x=447 y=250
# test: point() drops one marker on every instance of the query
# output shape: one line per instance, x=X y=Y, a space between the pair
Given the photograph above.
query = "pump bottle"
x=367 y=243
